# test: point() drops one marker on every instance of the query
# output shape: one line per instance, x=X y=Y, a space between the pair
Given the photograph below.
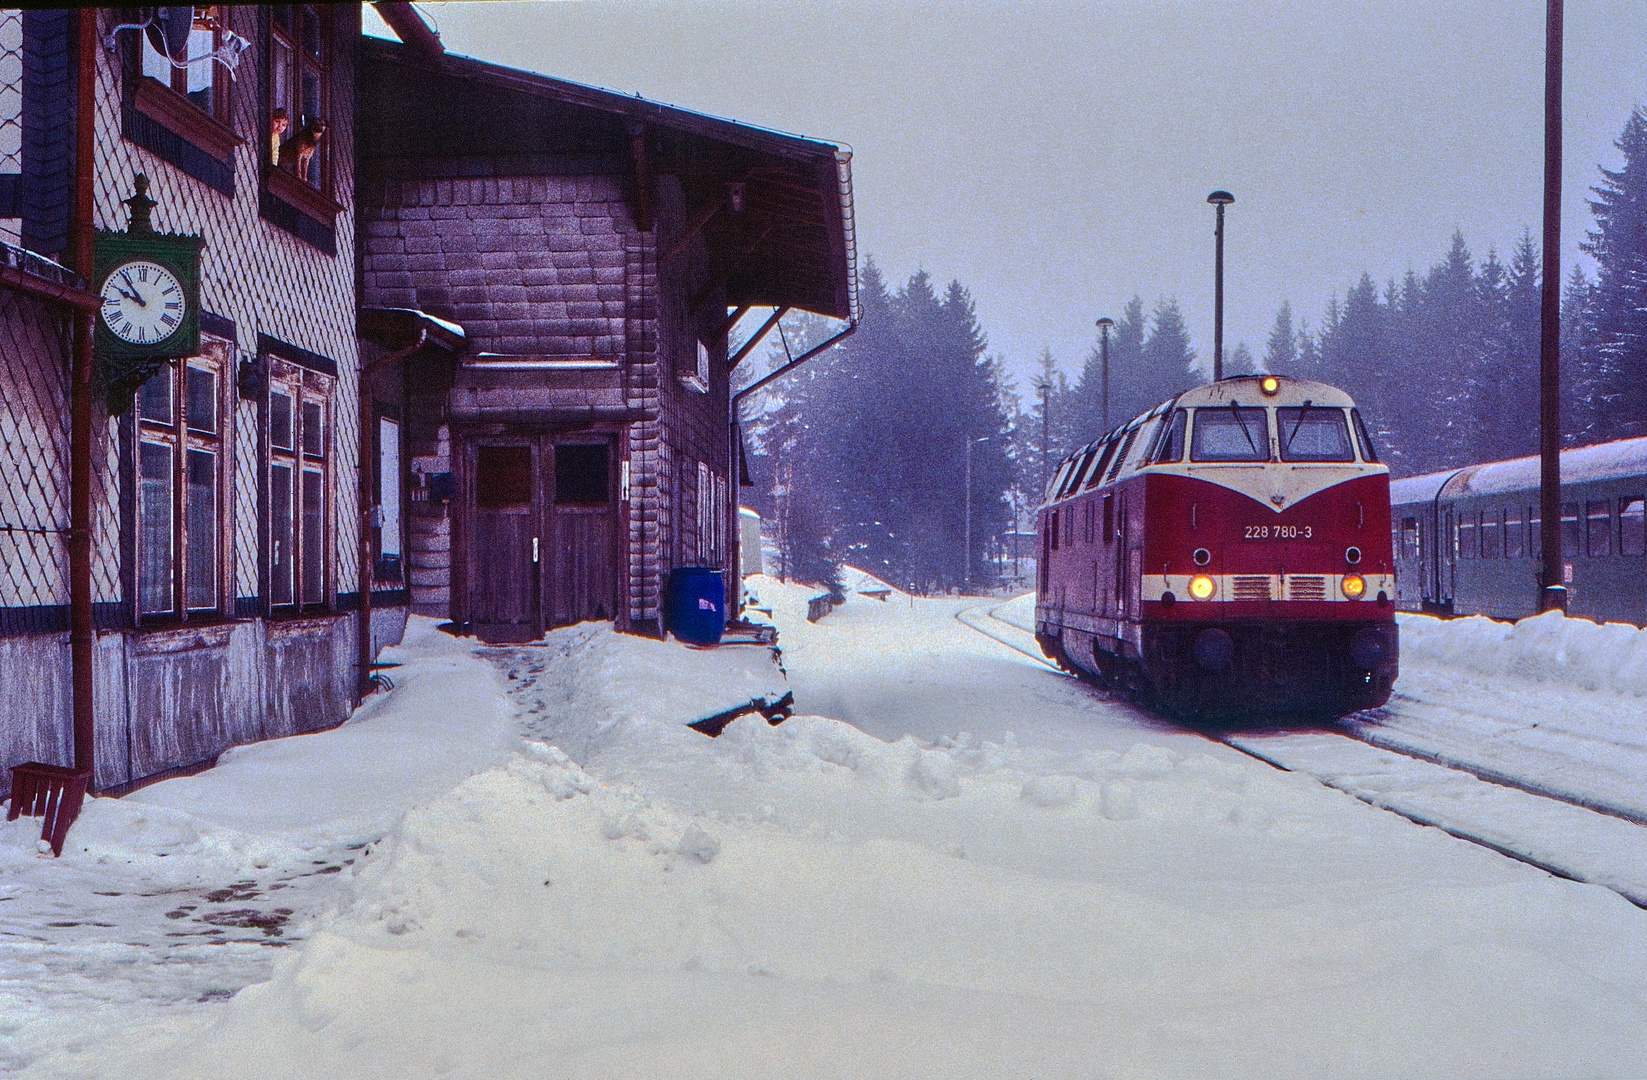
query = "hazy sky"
x=1056 y=157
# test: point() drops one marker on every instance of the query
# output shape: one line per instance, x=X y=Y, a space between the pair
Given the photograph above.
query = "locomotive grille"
x=1252 y=586
x=1306 y=587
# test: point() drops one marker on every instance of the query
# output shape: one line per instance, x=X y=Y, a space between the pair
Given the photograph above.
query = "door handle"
x=534 y=549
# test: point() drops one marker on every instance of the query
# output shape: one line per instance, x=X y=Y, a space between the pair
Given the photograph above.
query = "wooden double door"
x=542 y=533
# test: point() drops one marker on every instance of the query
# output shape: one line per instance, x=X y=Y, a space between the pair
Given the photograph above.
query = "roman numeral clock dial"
x=143 y=302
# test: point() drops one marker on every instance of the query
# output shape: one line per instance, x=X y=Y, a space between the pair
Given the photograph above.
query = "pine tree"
x=1584 y=405
x=1168 y=358
x=1281 y=350
x=1619 y=245
x=1242 y=362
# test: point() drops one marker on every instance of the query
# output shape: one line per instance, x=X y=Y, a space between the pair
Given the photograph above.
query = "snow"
x=953 y=863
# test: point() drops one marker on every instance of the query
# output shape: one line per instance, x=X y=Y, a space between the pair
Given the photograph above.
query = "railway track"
x=1559 y=828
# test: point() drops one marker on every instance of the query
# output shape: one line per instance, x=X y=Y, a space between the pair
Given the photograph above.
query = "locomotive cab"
x=1228 y=552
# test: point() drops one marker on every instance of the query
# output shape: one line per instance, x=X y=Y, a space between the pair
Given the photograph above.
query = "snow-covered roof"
x=1584 y=464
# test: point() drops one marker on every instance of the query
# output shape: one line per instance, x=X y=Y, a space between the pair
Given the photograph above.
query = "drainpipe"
x=367 y=472
x=82 y=635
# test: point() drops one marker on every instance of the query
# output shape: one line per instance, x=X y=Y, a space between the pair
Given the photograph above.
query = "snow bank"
x=1546 y=648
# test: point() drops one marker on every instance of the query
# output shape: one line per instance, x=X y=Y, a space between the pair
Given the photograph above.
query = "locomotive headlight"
x=1201 y=587
x=1354 y=586
x=1270 y=385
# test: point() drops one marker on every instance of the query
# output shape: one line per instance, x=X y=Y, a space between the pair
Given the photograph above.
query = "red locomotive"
x=1227 y=553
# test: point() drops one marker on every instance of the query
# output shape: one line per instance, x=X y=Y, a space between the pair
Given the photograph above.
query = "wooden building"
x=596 y=251
x=195 y=536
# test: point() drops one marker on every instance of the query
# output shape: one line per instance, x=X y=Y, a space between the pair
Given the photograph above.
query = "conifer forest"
x=908 y=443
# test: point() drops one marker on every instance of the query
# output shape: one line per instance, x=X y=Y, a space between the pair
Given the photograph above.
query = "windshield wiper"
x=1235 y=409
x=1305 y=411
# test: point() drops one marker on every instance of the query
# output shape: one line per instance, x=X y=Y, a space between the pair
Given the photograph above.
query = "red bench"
x=54 y=792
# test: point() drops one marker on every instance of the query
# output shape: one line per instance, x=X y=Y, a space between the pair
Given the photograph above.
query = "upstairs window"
x=203 y=83
x=1230 y=433
x=300 y=65
x=1313 y=434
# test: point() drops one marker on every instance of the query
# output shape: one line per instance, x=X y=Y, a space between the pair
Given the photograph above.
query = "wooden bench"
x=54 y=792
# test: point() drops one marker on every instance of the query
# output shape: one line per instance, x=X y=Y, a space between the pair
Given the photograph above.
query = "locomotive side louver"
x=1306 y=587
x=1252 y=587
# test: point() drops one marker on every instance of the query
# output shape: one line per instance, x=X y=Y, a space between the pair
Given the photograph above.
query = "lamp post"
x=966 y=529
x=1553 y=590
x=1219 y=199
x=1105 y=325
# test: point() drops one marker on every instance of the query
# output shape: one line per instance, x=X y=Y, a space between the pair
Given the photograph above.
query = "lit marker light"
x=1355 y=586
x=1201 y=587
x=1270 y=385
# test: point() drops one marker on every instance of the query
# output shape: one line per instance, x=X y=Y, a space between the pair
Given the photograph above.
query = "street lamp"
x=1105 y=325
x=966 y=534
x=1219 y=199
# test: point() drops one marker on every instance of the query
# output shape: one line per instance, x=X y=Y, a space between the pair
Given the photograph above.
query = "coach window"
x=1535 y=534
x=1569 y=529
x=1492 y=523
x=179 y=505
x=1409 y=538
x=1466 y=534
x=1230 y=433
x=1632 y=526
x=1368 y=454
x=1598 y=527
x=1313 y=434
x=1512 y=533
x=1171 y=450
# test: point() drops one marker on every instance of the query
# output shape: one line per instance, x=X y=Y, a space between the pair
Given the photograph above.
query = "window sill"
x=692 y=382
x=300 y=196
x=174 y=112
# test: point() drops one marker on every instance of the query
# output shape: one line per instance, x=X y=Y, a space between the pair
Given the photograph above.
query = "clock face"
x=143 y=302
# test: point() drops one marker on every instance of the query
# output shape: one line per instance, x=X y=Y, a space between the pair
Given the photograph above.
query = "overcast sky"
x=1056 y=157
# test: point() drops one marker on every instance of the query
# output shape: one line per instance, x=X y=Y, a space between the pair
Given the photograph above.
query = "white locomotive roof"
x=1243 y=390
x=1602 y=461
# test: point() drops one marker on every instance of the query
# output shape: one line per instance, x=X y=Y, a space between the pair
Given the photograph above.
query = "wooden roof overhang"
x=775 y=210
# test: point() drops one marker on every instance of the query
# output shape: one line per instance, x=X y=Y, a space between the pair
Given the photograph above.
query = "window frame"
x=1261 y=445
x=317 y=201
x=1286 y=431
x=1632 y=542
x=185 y=529
x=307 y=561
x=1598 y=542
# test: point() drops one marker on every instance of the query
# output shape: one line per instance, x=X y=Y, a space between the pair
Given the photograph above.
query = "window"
x=1514 y=534
x=1569 y=529
x=300 y=42
x=1466 y=535
x=1052 y=530
x=203 y=83
x=1097 y=476
x=1109 y=519
x=1232 y=433
x=180 y=509
x=299 y=464
x=1492 y=529
x=1088 y=518
x=711 y=516
x=1313 y=434
x=1535 y=534
x=1632 y=526
x=1598 y=527
x=1121 y=456
x=1367 y=452
x=388 y=566
x=1409 y=538
x=1171 y=448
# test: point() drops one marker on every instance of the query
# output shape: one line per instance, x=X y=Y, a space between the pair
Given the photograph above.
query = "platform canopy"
x=775 y=210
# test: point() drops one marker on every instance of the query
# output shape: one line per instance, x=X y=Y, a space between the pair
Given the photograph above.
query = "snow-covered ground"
x=953 y=862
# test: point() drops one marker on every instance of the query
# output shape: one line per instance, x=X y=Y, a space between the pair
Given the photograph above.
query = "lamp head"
x=1106 y=324
x=1220 y=198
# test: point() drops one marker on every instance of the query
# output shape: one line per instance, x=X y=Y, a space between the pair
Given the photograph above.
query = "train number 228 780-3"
x=1279 y=532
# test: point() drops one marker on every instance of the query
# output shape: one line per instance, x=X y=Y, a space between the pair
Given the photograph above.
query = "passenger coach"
x=1467 y=540
x=1226 y=552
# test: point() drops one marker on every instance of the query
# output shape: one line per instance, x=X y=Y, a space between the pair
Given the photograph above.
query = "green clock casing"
x=150 y=287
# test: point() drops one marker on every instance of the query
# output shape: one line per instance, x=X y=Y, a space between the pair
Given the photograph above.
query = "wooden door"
x=584 y=525
x=504 y=542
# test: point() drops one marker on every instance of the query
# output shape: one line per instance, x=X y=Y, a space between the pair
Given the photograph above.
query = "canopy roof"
x=792 y=244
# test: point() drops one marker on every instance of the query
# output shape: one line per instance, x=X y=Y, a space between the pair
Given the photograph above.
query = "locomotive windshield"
x=1313 y=434
x=1230 y=433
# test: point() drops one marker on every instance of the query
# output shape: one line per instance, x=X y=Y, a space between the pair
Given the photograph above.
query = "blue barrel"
x=695 y=611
